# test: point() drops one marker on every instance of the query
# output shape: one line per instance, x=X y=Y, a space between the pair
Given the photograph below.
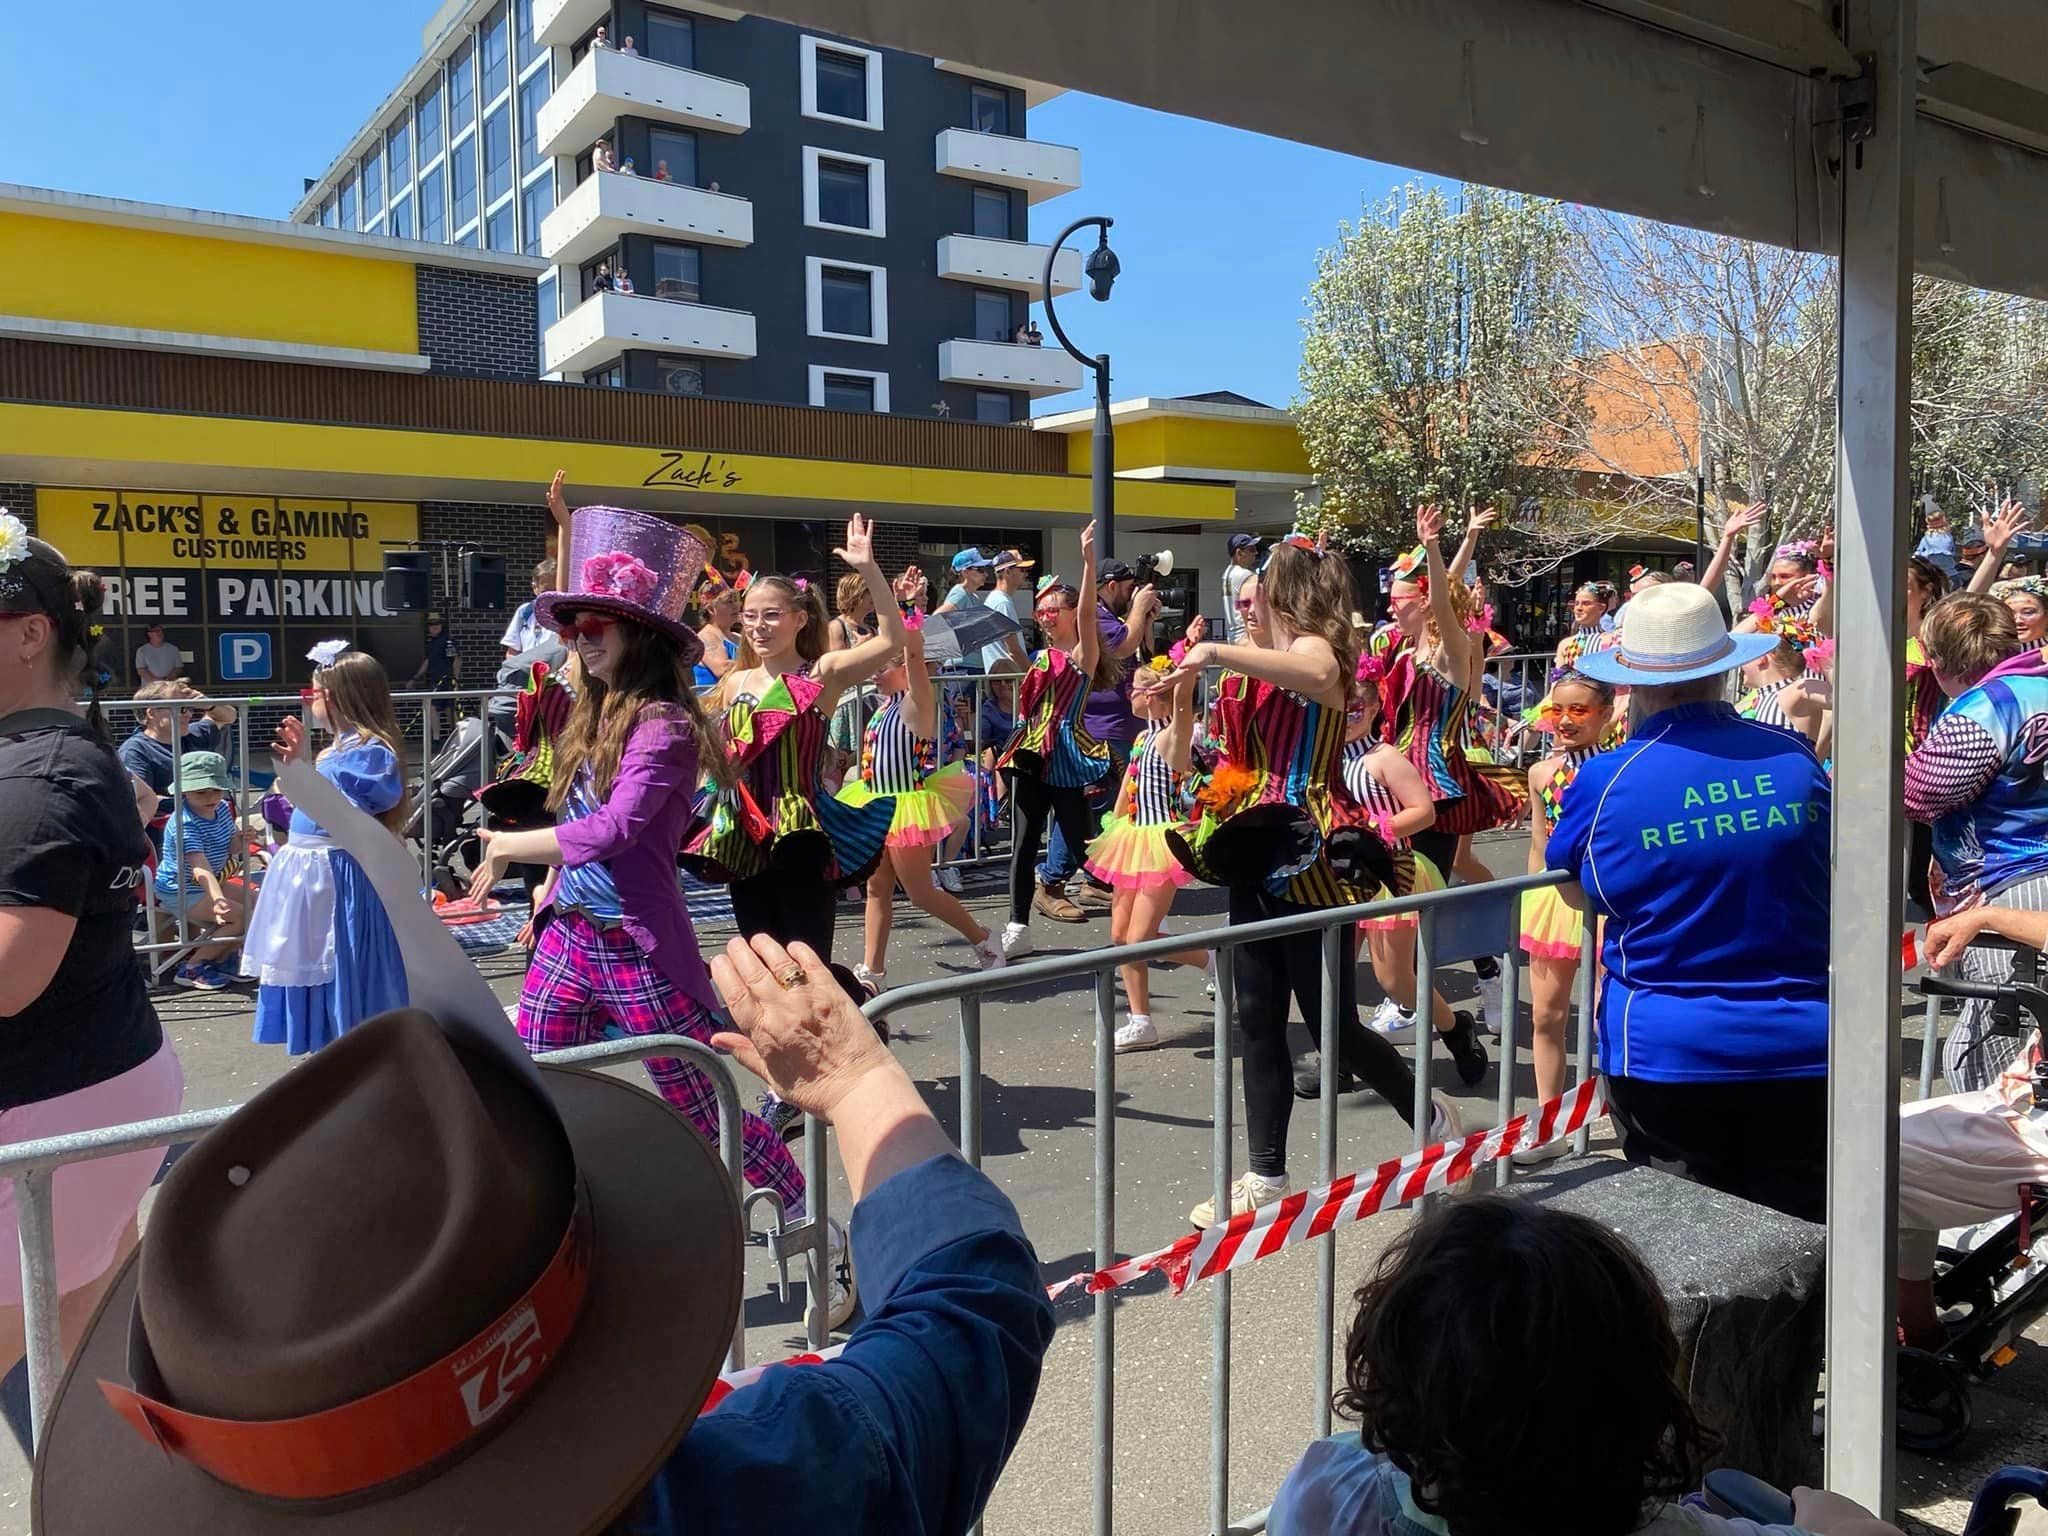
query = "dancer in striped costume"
x=1397 y=799
x=899 y=763
x=1926 y=585
x=1050 y=758
x=782 y=843
x=1782 y=691
x=1578 y=712
x=1131 y=856
x=1280 y=831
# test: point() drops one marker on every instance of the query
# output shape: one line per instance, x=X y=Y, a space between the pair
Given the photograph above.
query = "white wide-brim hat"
x=1673 y=633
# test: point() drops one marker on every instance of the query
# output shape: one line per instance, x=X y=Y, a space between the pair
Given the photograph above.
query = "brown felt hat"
x=400 y=1291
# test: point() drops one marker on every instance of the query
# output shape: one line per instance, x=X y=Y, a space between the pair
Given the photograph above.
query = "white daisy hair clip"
x=13 y=539
x=327 y=652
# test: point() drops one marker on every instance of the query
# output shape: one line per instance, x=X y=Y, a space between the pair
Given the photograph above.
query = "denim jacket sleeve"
x=660 y=761
x=906 y=1432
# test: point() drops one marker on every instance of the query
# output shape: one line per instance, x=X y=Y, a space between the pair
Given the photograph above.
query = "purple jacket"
x=636 y=833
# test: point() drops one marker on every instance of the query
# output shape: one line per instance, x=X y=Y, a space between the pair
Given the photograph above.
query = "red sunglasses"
x=586 y=625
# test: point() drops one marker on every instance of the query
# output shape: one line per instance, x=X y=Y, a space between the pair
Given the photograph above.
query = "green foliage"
x=1436 y=346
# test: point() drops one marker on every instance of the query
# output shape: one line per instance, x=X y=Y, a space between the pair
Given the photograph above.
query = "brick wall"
x=479 y=322
x=517 y=533
x=19 y=499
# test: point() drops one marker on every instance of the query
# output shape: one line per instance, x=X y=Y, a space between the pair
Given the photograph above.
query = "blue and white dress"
x=319 y=941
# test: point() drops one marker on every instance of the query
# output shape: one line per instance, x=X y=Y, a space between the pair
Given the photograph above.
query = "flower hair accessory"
x=1371 y=668
x=1295 y=539
x=1797 y=549
x=13 y=539
x=97 y=631
x=327 y=653
x=1820 y=655
x=1161 y=664
x=620 y=575
x=802 y=584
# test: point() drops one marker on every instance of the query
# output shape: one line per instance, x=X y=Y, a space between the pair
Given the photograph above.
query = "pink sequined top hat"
x=629 y=564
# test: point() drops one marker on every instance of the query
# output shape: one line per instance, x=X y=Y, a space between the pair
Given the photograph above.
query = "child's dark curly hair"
x=1483 y=1314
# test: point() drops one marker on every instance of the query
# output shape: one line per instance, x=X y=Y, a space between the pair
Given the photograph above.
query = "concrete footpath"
x=1038 y=1138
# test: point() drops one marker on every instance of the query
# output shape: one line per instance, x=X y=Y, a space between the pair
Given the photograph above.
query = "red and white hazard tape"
x=1295 y=1219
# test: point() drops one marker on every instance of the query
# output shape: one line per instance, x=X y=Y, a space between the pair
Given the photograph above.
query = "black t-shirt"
x=73 y=843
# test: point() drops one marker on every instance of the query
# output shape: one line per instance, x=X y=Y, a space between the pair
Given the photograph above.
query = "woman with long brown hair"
x=1282 y=833
x=319 y=942
x=616 y=951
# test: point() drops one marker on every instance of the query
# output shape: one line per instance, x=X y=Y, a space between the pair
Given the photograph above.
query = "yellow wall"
x=110 y=274
x=56 y=443
x=1191 y=442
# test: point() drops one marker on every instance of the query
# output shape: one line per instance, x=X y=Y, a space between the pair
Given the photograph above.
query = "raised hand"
x=792 y=1025
x=1198 y=629
x=2002 y=526
x=1742 y=520
x=1429 y=523
x=558 y=504
x=290 y=740
x=859 y=548
x=1088 y=542
x=1827 y=545
x=1481 y=518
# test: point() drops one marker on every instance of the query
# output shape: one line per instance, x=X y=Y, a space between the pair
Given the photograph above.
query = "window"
x=532 y=96
x=849 y=389
x=535 y=204
x=678 y=148
x=992 y=405
x=988 y=109
x=399 y=224
x=496 y=54
x=429 y=116
x=991 y=213
x=398 y=153
x=498 y=229
x=846 y=299
x=328 y=215
x=546 y=299
x=467 y=237
x=433 y=212
x=497 y=154
x=671 y=39
x=841 y=83
x=522 y=29
x=348 y=202
x=613 y=377
x=679 y=375
x=992 y=315
x=678 y=272
x=373 y=186
x=462 y=181
x=461 y=91
x=590 y=271
x=843 y=193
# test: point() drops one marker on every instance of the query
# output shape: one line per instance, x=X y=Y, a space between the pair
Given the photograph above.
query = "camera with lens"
x=1151 y=567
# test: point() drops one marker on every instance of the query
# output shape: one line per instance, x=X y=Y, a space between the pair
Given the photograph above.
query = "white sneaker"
x=1139 y=1034
x=1479 y=1019
x=1391 y=1022
x=1016 y=940
x=867 y=978
x=1445 y=1123
x=844 y=1289
x=1247 y=1194
x=949 y=879
x=988 y=953
x=1550 y=1152
x=1209 y=975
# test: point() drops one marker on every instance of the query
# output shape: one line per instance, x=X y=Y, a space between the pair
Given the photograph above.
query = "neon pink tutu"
x=1550 y=929
x=1130 y=857
x=924 y=817
x=1419 y=875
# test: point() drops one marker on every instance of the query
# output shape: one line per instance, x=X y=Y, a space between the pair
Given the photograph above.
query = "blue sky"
x=227 y=104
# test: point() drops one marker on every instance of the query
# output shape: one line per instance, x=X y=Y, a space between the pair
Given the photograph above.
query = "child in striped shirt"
x=199 y=840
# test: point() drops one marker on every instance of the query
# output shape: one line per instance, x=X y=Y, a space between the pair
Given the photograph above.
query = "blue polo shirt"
x=1704 y=843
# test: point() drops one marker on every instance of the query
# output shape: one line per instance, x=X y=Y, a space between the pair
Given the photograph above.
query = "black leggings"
x=1263 y=974
x=1036 y=801
x=786 y=910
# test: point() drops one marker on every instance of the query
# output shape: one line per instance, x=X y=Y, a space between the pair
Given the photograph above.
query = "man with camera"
x=1124 y=612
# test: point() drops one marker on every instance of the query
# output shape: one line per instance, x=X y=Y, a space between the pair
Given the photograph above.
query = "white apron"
x=290 y=942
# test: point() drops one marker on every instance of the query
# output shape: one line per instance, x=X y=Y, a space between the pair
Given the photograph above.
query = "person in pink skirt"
x=1578 y=712
x=1131 y=856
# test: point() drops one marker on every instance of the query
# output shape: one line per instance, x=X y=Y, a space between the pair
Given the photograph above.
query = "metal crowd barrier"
x=1510 y=684
x=32 y=1166
x=1464 y=923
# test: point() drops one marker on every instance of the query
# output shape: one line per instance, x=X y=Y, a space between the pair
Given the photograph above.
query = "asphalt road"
x=1038 y=1143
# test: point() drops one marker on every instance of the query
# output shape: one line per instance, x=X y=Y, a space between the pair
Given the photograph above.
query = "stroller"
x=445 y=805
x=1992 y=1512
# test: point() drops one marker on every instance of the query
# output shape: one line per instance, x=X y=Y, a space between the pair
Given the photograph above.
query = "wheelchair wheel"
x=1933 y=1402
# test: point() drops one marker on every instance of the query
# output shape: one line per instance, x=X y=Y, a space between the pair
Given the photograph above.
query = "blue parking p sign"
x=244 y=658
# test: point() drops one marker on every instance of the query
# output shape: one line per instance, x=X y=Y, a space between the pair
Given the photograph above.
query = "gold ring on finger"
x=790 y=976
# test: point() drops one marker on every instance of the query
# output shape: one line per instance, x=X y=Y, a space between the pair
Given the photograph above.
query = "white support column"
x=1871 y=519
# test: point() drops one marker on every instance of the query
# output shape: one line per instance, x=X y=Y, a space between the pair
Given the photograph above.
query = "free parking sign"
x=244 y=658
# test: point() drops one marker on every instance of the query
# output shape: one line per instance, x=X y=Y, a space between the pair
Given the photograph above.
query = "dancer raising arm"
x=1050 y=758
x=1280 y=832
x=899 y=762
x=782 y=842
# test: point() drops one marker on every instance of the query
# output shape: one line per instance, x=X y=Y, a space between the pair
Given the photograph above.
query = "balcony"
x=596 y=331
x=1014 y=264
x=607 y=86
x=609 y=204
x=1036 y=169
x=1007 y=365
x=563 y=23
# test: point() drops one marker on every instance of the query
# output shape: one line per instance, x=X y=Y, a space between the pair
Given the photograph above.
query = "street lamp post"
x=1101 y=269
